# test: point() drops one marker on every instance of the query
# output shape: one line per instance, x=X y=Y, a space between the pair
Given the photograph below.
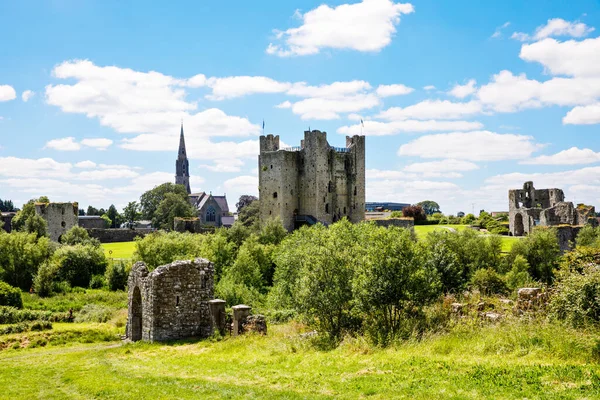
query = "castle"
x=312 y=183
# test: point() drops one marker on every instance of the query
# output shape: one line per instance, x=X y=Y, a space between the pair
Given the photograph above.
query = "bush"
x=588 y=236
x=237 y=293
x=94 y=313
x=488 y=282
x=577 y=296
x=97 y=282
x=518 y=276
x=416 y=212
x=11 y=315
x=20 y=257
x=78 y=235
x=540 y=249
x=162 y=248
x=10 y=296
x=77 y=264
x=26 y=327
x=116 y=275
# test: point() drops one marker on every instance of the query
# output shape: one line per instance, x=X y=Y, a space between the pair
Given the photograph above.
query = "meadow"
x=508 y=360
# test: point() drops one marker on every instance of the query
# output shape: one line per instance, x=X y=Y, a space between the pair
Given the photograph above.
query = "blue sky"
x=461 y=101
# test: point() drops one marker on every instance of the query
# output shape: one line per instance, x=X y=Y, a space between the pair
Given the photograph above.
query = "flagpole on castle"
x=362 y=125
x=263 y=127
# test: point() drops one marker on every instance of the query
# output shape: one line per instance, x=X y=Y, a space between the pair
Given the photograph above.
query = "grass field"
x=119 y=249
x=510 y=360
x=423 y=230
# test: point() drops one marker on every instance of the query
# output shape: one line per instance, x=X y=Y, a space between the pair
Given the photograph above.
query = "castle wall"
x=60 y=217
x=118 y=235
x=313 y=180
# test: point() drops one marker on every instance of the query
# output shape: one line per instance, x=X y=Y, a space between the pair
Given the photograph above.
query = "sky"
x=461 y=100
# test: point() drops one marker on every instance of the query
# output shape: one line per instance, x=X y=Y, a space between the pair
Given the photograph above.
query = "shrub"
x=77 y=264
x=116 y=275
x=78 y=235
x=488 y=282
x=162 y=248
x=26 y=327
x=44 y=280
x=237 y=293
x=94 y=313
x=416 y=212
x=588 y=236
x=518 y=276
x=10 y=296
x=540 y=249
x=11 y=315
x=20 y=256
x=577 y=296
x=97 y=282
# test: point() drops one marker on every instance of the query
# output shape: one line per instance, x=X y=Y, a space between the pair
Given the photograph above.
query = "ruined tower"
x=182 y=167
x=312 y=183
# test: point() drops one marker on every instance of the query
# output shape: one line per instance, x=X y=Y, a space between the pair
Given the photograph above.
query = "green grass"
x=119 y=249
x=506 y=361
x=423 y=230
x=75 y=300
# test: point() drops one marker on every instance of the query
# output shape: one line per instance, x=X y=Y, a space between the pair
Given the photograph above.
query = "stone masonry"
x=171 y=302
x=529 y=207
x=60 y=217
x=312 y=183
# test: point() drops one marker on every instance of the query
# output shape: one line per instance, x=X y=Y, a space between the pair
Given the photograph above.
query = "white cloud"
x=583 y=115
x=429 y=87
x=26 y=95
x=462 y=91
x=237 y=86
x=332 y=90
x=441 y=166
x=64 y=144
x=393 y=90
x=377 y=128
x=498 y=32
x=556 y=27
x=330 y=108
x=98 y=143
x=570 y=156
x=41 y=167
x=225 y=165
x=196 y=81
x=472 y=146
x=7 y=93
x=247 y=184
x=432 y=109
x=572 y=58
x=285 y=104
x=86 y=164
x=367 y=26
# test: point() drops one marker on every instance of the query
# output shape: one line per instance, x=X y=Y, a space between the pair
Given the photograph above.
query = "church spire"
x=182 y=167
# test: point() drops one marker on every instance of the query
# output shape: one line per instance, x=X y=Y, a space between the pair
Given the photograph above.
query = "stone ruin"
x=175 y=301
x=530 y=207
x=171 y=302
x=60 y=217
x=191 y=224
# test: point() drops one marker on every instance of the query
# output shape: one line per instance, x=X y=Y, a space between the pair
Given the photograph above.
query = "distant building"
x=460 y=214
x=6 y=218
x=182 y=166
x=313 y=182
x=60 y=217
x=212 y=210
x=91 y=221
x=496 y=214
x=371 y=207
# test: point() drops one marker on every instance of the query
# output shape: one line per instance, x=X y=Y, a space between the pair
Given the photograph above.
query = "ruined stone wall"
x=60 y=217
x=407 y=223
x=174 y=301
x=118 y=235
x=187 y=225
x=92 y=223
x=314 y=180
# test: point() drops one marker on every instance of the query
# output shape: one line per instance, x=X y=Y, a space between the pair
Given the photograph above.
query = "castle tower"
x=182 y=167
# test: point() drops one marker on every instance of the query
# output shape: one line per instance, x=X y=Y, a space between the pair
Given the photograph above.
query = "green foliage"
x=249 y=215
x=457 y=255
x=94 y=313
x=97 y=282
x=20 y=256
x=253 y=265
x=78 y=235
x=115 y=217
x=18 y=221
x=518 y=276
x=391 y=280
x=238 y=293
x=244 y=200
x=468 y=219
x=7 y=206
x=11 y=315
x=116 y=275
x=488 y=282
x=107 y=221
x=218 y=249
x=429 y=207
x=37 y=225
x=26 y=327
x=540 y=249
x=238 y=233
x=77 y=264
x=131 y=212
x=588 y=236
x=171 y=206
x=162 y=248
x=576 y=299
x=150 y=200
x=272 y=231
x=43 y=283
x=415 y=212
x=10 y=296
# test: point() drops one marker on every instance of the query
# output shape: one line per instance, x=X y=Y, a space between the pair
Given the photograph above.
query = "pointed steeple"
x=182 y=167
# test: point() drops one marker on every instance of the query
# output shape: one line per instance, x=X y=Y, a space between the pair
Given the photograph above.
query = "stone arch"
x=519 y=229
x=136 y=315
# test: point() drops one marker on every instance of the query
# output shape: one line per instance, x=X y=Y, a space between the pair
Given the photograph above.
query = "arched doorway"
x=519 y=230
x=136 y=315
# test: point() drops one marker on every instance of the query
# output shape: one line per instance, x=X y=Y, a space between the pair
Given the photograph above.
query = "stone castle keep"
x=529 y=207
x=60 y=217
x=312 y=183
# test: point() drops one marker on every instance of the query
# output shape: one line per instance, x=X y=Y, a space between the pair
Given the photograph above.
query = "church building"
x=211 y=210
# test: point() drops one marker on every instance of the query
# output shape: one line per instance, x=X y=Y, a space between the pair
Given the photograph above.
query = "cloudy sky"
x=461 y=100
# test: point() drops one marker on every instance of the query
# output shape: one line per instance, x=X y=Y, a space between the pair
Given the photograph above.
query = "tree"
x=245 y=200
x=249 y=216
x=92 y=211
x=36 y=224
x=28 y=210
x=130 y=212
x=414 y=211
x=107 y=221
x=541 y=250
x=114 y=216
x=150 y=200
x=171 y=206
x=429 y=206
x=6 y=205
